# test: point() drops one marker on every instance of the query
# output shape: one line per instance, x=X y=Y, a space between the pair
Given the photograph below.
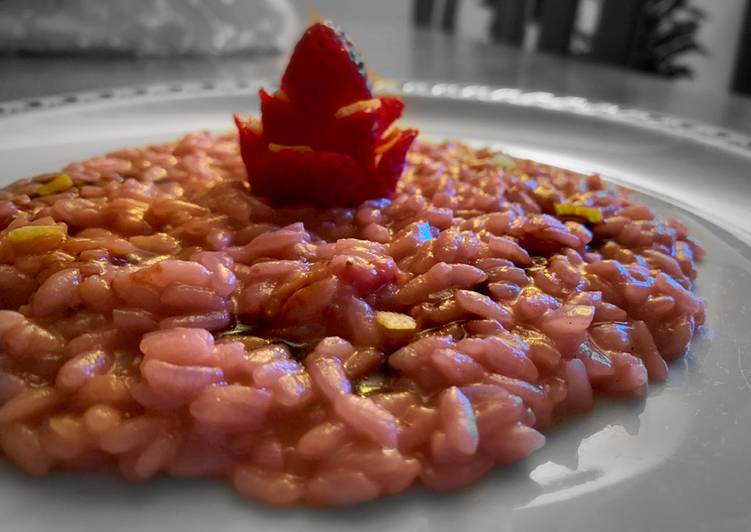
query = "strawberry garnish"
x=324 y=138
x=325 y=71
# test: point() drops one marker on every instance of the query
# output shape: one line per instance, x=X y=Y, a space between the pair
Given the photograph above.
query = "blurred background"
x=692 y=57
x=695 y=42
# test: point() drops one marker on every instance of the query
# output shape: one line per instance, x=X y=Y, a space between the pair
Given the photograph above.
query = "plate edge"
x=692 y=129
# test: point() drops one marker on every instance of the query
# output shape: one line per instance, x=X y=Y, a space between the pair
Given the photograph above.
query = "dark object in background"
x=742 y=79
x=505 y=25
x=557 y=20
x=663 y=31
x=645 y=35
x=423 y=11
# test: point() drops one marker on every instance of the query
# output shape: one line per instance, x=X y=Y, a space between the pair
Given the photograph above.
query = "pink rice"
x=183 y=326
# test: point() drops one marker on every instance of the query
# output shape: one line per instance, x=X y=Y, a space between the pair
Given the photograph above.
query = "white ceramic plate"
x=680 y=460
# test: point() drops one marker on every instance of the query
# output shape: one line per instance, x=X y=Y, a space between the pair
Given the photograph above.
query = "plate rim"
x=695 y=130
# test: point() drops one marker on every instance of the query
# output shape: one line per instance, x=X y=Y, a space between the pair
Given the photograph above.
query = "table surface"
x=400 y=53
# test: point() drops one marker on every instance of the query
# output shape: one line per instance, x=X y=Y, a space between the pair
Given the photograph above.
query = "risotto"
x=160 y=319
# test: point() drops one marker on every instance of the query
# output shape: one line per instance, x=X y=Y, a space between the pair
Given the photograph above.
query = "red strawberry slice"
x=323 y=138
x=325 y=72
x=355 y=135
x=391 y=165
x=283 y=121
x=390 y=110
x=251 y=141
x=320 y=178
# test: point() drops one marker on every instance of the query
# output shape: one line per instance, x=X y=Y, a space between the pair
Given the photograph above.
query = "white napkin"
x=146 y=27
